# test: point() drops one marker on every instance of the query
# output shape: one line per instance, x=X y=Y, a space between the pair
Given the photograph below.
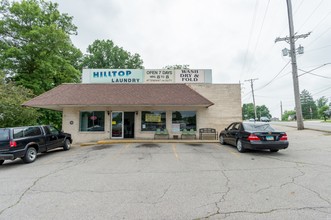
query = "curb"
x=104 y=142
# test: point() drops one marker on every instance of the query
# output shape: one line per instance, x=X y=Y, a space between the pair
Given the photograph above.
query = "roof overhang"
x=61 y=107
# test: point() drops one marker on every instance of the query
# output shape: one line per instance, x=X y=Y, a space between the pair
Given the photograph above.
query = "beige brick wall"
x=226 y=109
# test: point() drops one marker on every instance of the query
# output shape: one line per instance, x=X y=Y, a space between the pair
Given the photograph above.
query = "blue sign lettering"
x=113 y=73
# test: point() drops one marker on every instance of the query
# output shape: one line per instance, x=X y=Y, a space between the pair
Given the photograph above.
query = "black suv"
x=27 y=142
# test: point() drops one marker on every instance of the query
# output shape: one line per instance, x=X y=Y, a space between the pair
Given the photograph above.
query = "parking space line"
x=228 y=150
x=175 y=152
x=234 y=153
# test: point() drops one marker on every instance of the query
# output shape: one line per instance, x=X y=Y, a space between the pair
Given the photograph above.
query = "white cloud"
x=233 y=38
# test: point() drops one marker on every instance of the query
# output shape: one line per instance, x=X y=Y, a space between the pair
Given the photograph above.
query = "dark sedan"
x=256 y=136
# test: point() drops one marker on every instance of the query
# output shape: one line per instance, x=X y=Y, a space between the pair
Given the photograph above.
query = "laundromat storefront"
x=95 y=111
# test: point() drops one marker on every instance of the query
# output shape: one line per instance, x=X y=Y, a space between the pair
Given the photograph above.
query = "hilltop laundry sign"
x=189 y=76
x=112 y=76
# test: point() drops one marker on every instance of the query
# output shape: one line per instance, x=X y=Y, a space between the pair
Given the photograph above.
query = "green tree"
x=322 y=105
x=104 y=54
x=322 y=102
x=248 y=111
x=11 y=112
x=35 y=48
x=261 y=111
x=291 y=114
x=309 y=108
x=321 y=112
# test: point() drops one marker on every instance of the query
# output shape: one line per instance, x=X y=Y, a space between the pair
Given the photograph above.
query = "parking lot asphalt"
x=172 y=181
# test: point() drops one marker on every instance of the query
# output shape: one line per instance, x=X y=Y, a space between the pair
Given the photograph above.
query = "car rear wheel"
x=30 y=155
x=1 y=162
x=222 y=140
x=240 y=147
x=274 y=150
x=67 y=145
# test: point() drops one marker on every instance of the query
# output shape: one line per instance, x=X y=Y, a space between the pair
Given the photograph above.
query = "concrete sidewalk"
x=310 y=125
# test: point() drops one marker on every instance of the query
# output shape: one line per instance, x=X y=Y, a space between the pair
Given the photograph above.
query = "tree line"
x=311 y=109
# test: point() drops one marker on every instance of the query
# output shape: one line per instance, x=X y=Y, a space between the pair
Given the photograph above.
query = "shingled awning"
x=71 y=95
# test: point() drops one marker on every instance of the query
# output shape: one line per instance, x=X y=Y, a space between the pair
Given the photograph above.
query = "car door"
x=52 y=139
x=233 y=133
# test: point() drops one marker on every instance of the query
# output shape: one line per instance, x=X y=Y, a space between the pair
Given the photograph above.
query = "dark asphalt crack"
x=316 y=193
x=35 y=182
x=228 y=214
x=222 y=198
x=164 y=193
x=298 y=162
x=294 y=177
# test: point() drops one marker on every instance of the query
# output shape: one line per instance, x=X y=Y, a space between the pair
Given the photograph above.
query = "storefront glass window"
x=92 y=121
x=152 y=120
x=184 y=120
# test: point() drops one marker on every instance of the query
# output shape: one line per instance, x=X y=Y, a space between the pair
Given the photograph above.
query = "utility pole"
x=252 y=80
x=291 y=40
x=281 y=110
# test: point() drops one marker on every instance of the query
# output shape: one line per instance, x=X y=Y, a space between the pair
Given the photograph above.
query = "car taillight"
x=283 y=138
x=12 y=144
x=253 y=137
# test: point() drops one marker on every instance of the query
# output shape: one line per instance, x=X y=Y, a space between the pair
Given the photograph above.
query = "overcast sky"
x=236 y=39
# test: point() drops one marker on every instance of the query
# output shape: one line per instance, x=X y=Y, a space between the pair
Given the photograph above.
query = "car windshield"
x=4 y=134
x=257 y=127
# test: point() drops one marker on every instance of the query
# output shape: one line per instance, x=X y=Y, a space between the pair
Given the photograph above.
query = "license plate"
x=269 y=138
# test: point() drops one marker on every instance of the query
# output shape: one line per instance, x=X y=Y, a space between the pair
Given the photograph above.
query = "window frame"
x=153 y=125
x=89 y=128
x=184 y=120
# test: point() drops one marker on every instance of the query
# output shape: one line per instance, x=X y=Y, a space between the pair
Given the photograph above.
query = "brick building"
x=117 y=104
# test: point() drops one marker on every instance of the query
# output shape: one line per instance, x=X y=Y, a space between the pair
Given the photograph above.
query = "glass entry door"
x=117 y=125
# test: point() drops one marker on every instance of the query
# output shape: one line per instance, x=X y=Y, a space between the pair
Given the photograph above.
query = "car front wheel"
x=67 y=145
x=222 y=140
x=1 y=162
x=240 y=147
x=30 y=155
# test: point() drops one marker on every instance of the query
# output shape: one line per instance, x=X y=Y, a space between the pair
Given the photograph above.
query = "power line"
x=250 y=37
x=314 y=74
x=321 y=91
x=310 y=71
x=310 y=15
x=321 y=21
x=320 y=48
x=297 y=9
x=275 y=76
x=259 y=35
x=318 y=37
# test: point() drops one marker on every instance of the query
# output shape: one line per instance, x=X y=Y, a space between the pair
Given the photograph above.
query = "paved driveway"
x=172 y=181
